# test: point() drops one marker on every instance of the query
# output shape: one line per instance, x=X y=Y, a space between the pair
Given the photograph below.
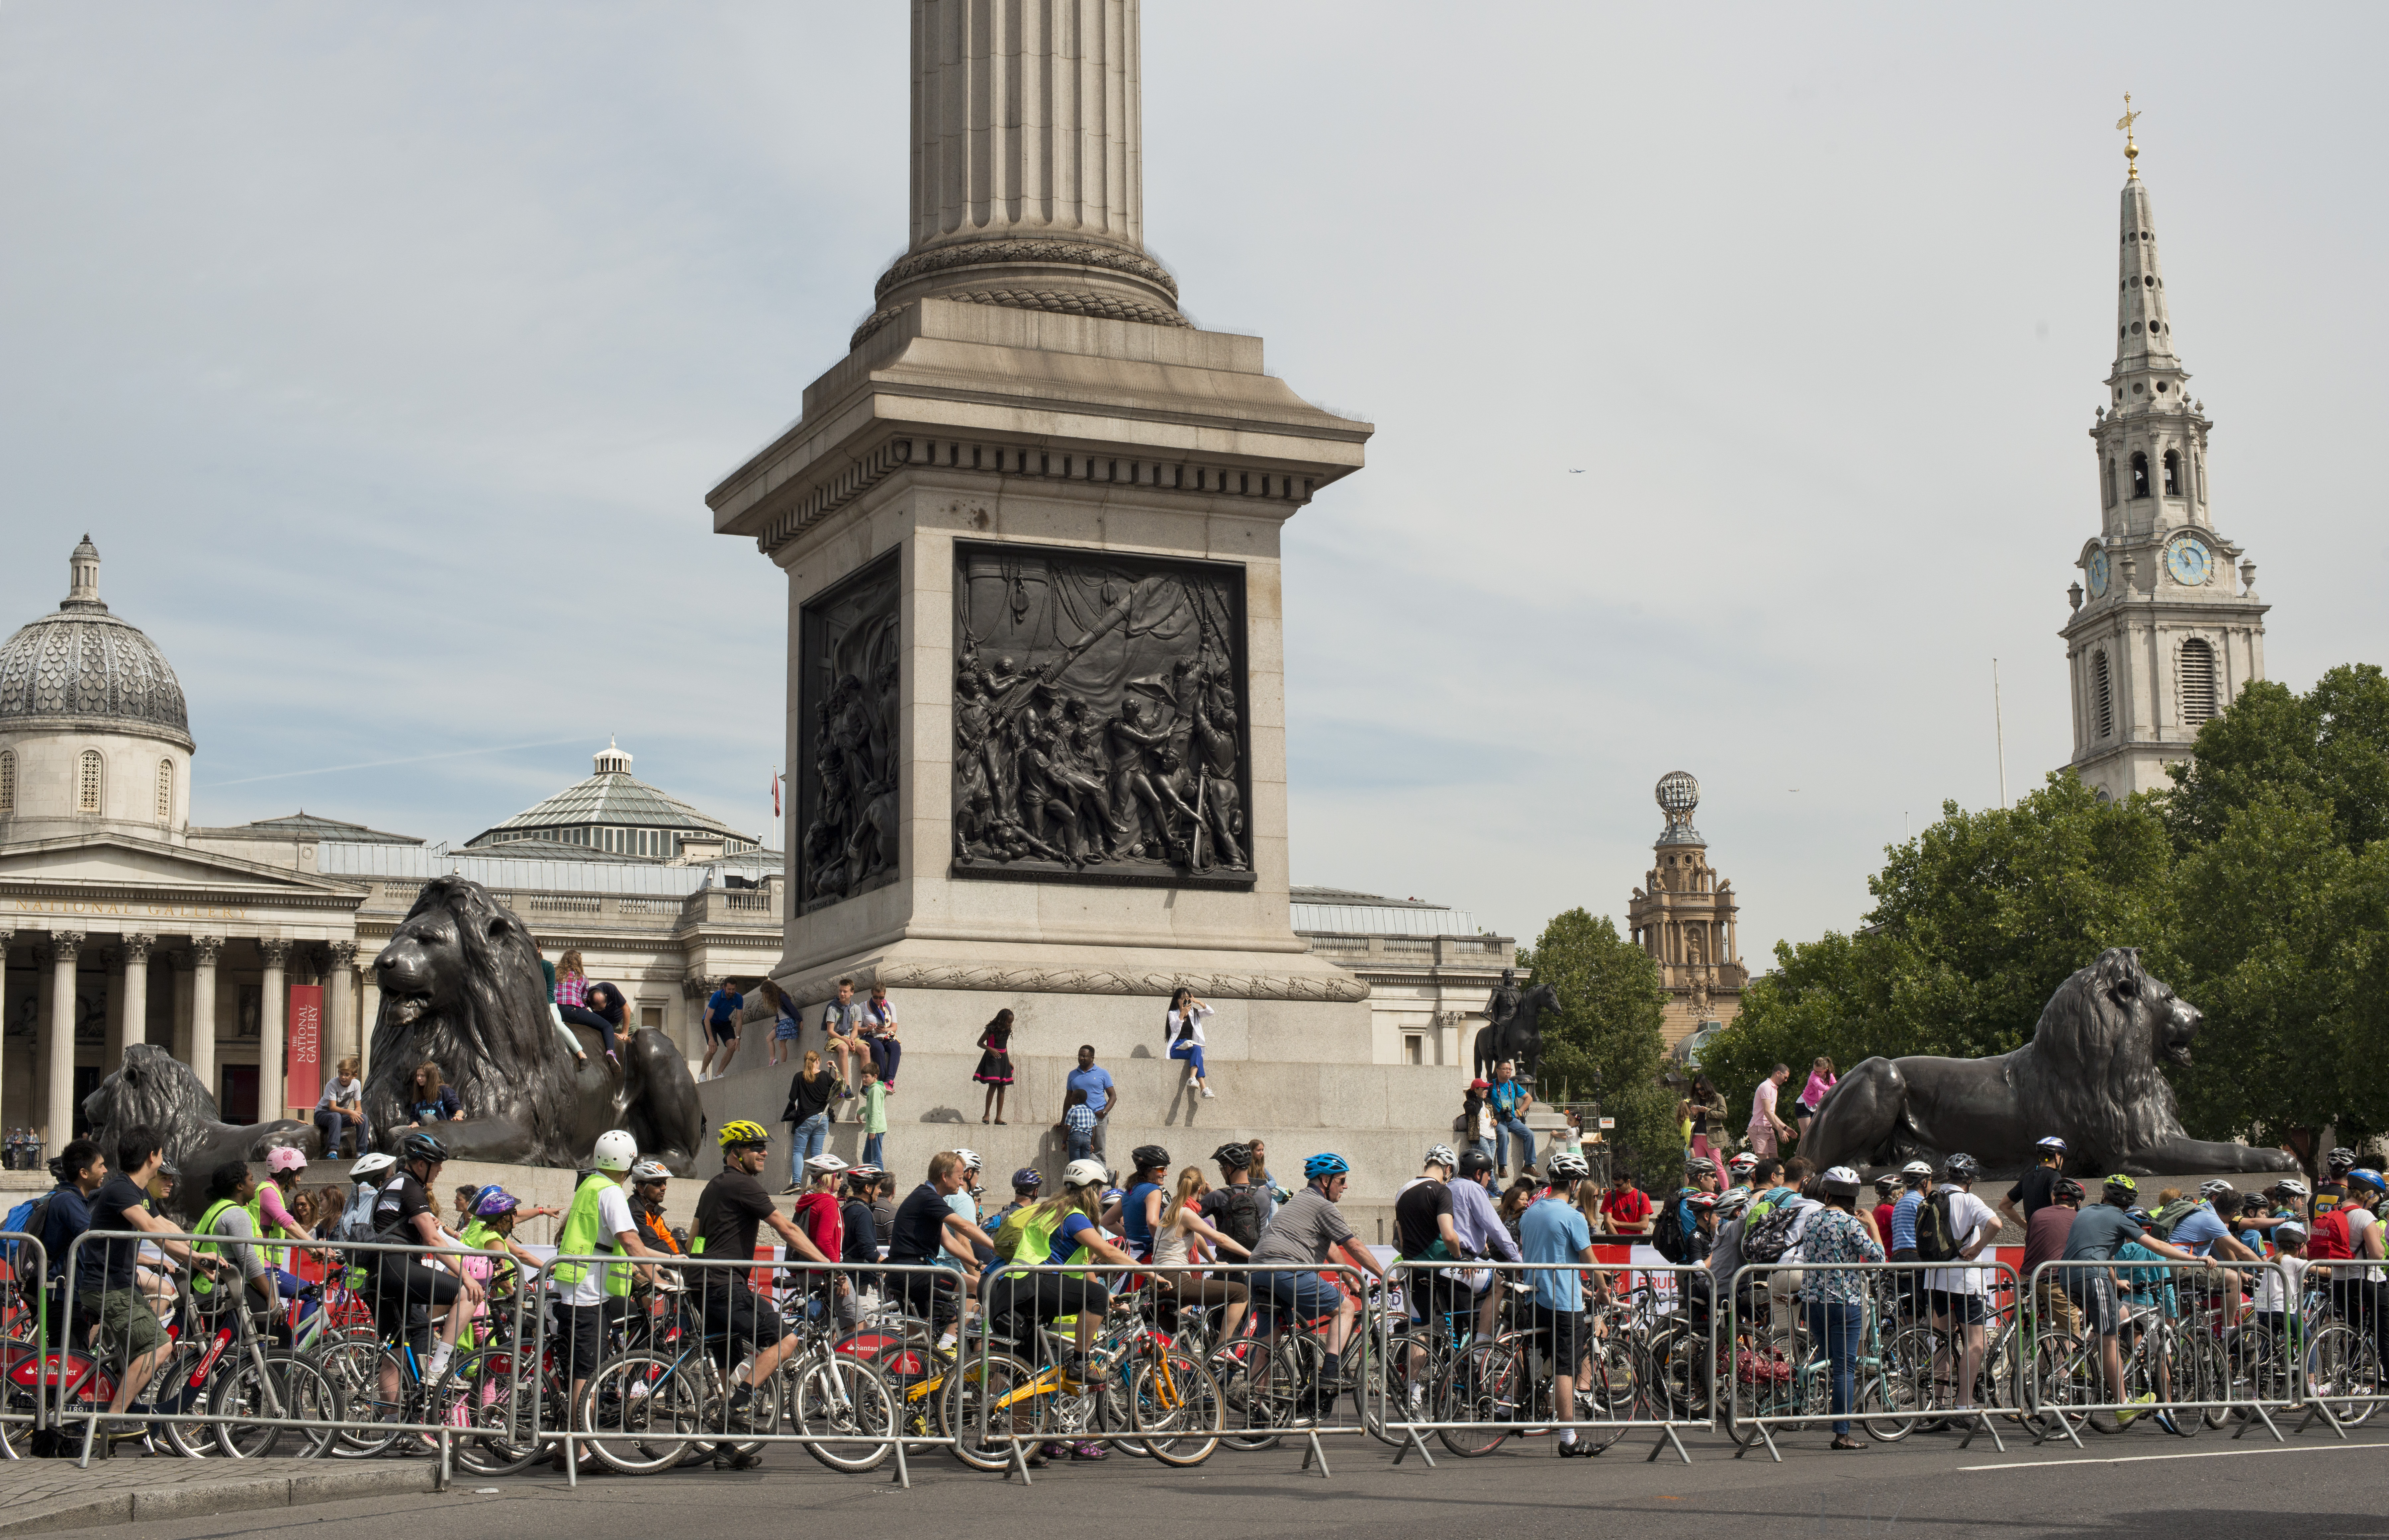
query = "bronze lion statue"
x=155 y=1088
x=461 y=987
x=2090 y=1075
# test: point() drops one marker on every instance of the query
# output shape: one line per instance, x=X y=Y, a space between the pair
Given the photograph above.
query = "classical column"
x=339 y=1005
x=132 y=1026
x=1027 y=181
x=368 y=1017
x=5 y=935
x=179 y=1040
x=271 y=1091
x=59 y=1121
x=203 y=1009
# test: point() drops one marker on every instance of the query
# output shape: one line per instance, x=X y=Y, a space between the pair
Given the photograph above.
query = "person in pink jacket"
x=1822 y=1079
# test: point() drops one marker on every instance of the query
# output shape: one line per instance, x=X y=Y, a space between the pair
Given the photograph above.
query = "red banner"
x=303 y=1050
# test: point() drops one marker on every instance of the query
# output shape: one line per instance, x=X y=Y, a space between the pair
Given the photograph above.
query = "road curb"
x=137 y=1502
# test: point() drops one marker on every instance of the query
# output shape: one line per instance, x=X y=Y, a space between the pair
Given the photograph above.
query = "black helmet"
x=2340 y=1162
x=1960 y=1168
x=1147 y=1156
x=1235 y=1157
x=2069 y=1190
x=1476 y=1163
x=420 y=1146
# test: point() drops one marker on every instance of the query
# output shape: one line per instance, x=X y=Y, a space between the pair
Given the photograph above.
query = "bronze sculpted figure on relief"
x=849 y=761
x=1098 y=711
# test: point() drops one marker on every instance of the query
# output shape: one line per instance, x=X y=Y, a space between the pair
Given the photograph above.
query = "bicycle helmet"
x=1476 y=1164
x=2050 y=1144
x=1564 y=1166
x=2287 y=1234
x=1841 y=1179
x=1027 y=1180
x=824 y=1165
x=650 y=1171
x=1080 y=1174
x=2121 y=1183
x=2290 y=1187
x=2068 y=1188
x=1325 y=1164
x=863 y=1173
x=2364 y=1176
x=1743 y=1163
x=1233 y=1157
x=615 y=1150
x=1700 y=1165
x=1885 y=1183
x=1915 y=1171
x=2140 y=1215
x=284 y=1157
x=1732 y=1201
x=1144 y=1157
x=739 y=1130
x=420 y=1146
x=1440 y=1154
x=1702 y=1200
x=2214 y=1188
x=970 y=1159
x=1956 y=1169
x=495 y=1202
x=371 y=1166
x=2341 y=1161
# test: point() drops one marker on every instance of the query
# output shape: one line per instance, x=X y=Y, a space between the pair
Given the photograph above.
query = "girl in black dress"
x=994 y=1069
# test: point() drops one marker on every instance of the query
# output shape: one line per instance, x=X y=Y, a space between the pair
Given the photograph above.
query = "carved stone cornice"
x=1021 y=979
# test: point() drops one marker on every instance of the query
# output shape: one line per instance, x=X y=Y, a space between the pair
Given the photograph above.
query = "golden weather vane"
x=2131 y=150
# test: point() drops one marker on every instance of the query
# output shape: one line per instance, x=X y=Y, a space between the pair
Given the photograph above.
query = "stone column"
x=179 y=1043
x=203 y=1009
x=271 y=1091
x=59 y=1120
x=5 y=935
x=132 y=1026
x=339 y=1005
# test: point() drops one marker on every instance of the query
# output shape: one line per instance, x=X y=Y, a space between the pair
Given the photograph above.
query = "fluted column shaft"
x=58 y=1128
x=339 y=1005
x=133 y=1025
x=203 y=1009
x=269 y=1067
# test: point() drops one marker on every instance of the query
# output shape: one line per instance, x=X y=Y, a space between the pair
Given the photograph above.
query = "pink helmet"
x=283 y=1157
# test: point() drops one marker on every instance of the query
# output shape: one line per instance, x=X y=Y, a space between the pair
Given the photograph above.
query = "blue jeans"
x=1520 y=1136
x=871 y=1151
x=1834 y=1329
x=1490 y=1149
x=1192 y=1054
x=885 y=1052
x=1081 y=1145
x=334 y=1124
x=1300 y=1295
x=805 y=1140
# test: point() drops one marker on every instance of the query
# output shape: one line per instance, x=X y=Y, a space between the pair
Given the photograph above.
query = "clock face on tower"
x=2190 y=561
x=2097 y=569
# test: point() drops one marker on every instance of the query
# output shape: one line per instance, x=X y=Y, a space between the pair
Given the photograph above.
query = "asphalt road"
x=2145 y=1482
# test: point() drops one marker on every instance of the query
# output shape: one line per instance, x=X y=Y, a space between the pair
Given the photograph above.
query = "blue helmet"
x=2362 y=1176
x=1325 y=1164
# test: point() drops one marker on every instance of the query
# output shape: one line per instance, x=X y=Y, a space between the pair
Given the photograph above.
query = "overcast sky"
x=388 y=354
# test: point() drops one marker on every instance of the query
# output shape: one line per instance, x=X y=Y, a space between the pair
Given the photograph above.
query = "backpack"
x=356 y=1218
x=30 y=1217
x=1240 y=1215
x=1667 y=1232
x=2328 y=1241
x=1936 y=1237
x=2160 y=1223
x=1771 y=1236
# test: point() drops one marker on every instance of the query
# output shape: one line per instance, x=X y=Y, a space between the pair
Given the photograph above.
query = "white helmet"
x=1085 y=1174
x=1916 y=1168
x=651 y=1171
x=1440 y=1154
x=1841 y=1179
x=372 y=1165
x=615 y=1150
x=1568 y=1167
x=824 y=1165
x=1744 y=1162
x=969 y=1158
x=2214 y=1188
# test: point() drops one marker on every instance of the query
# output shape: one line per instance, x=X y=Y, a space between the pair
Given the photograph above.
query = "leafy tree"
x=1608 y=1029
x=2331 y=744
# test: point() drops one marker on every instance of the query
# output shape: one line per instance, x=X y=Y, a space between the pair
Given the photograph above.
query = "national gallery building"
x=122 y=919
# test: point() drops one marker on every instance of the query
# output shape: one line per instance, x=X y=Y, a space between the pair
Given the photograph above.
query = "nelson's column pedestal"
x=1035 y=690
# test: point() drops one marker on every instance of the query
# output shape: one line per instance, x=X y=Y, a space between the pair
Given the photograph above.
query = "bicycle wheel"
x=180 y=1389
x=1176 y=1405
x=285 y=1388
x=1486 y=1385
x=843 y=1409
x=1892 y=1401
x=354 y=1366
x=1005 y=1391
x=1243 y=1372
x=490 y=1394
x=1929 y=1387
x=643 y=1410
x=1613 y=1391
x=2341 y=1369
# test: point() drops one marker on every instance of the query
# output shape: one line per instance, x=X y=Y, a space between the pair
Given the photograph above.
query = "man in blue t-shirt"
x=1097 y=1083
x=720 y=1028
x=1510 y=1100
x=1553 y=1230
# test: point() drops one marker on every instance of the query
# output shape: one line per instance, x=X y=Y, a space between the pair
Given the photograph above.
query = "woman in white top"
x=1184 y=1238
x=1183 y=1030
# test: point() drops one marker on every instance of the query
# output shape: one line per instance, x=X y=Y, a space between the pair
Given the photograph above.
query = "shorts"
x=132 y=1327
x=1434 y=1294
x=731 y=1314
x=1961 y=1309
x=1564 y=1337
x=399 y=1281
x=586 y=1326
x=2056 y=1310
x=1761 y=1141
x=723 y=1031
x=1305 y=1293
x=2094 y=1292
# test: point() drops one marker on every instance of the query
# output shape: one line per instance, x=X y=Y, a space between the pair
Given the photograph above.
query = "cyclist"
x=2093 y=1238
x=230 y=1190
x=1056 y=1232
x=1958 y=1296
x=1836 y=1296
x=823 y=1218
x=2044 y=1241
x=2031 y=1192
x=492 y=1229
x=1141 y=1210
x=105 y=1281
x=1744 y=1169
x=1553 y=1231
x=1915 y=1190
x=859 y=1226
x=1424 y=1232
x=597 y=1222
x=922 y=1229
x=402 y=1213
x=369 y=1174
x=1624 y=1208
x=2350 y=1236
x=1307 y=1233
x=728 y=1211
x=1886 y=1190
x=1027 y=1183
x=2336 y=1168
x=650 y=1180
x=1237 y=1208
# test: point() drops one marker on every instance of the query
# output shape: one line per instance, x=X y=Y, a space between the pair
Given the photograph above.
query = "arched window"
x=2197 y=675
x=165 y=790
x=88 y=784
x=2173 y=473
x=2139 y=474
x=8 y=781
x=2103 y=698
x=2111 y=481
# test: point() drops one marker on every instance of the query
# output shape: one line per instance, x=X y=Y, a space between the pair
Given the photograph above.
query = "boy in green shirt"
x=874 y=1114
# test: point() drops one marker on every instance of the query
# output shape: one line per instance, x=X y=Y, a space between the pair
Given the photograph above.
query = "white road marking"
x=2135 y=1460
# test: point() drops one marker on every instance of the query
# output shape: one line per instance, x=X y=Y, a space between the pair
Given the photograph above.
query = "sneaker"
x=1210 y=1095
x=1049 y=1451
x=2165 y=1419
x=2125 y=1418
x=1571 y=1448
x=730 y=1459
x=1090 y=1451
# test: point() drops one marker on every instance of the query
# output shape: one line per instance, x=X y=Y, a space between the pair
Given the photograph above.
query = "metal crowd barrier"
x=1168 y=1378
x=1780 y=1376
x=854 y=1378
x=2335 y=1341
x=2182 y=1331
x=305 y=1375
x=1469 y=1356
x=22 y=1408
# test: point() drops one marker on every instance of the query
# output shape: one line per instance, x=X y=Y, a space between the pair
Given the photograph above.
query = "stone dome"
x=82 y=666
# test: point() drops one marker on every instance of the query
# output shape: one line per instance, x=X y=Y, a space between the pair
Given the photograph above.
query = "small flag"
x=775 y=794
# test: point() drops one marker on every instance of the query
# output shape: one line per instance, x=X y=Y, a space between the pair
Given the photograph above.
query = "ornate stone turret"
x=2162 y=636
x=1685 y=919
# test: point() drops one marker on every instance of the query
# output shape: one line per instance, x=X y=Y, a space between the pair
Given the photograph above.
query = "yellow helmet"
x=738 y=1131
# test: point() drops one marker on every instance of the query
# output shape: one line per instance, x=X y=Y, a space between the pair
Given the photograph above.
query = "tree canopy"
x=1607 y=1032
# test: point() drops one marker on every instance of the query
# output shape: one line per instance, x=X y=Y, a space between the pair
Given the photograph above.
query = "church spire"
x=2143 y=321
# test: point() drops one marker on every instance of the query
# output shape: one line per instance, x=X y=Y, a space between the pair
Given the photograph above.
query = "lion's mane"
x=2091 y=1067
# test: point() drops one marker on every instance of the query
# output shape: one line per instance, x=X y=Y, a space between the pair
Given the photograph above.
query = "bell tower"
x=2166 y=627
